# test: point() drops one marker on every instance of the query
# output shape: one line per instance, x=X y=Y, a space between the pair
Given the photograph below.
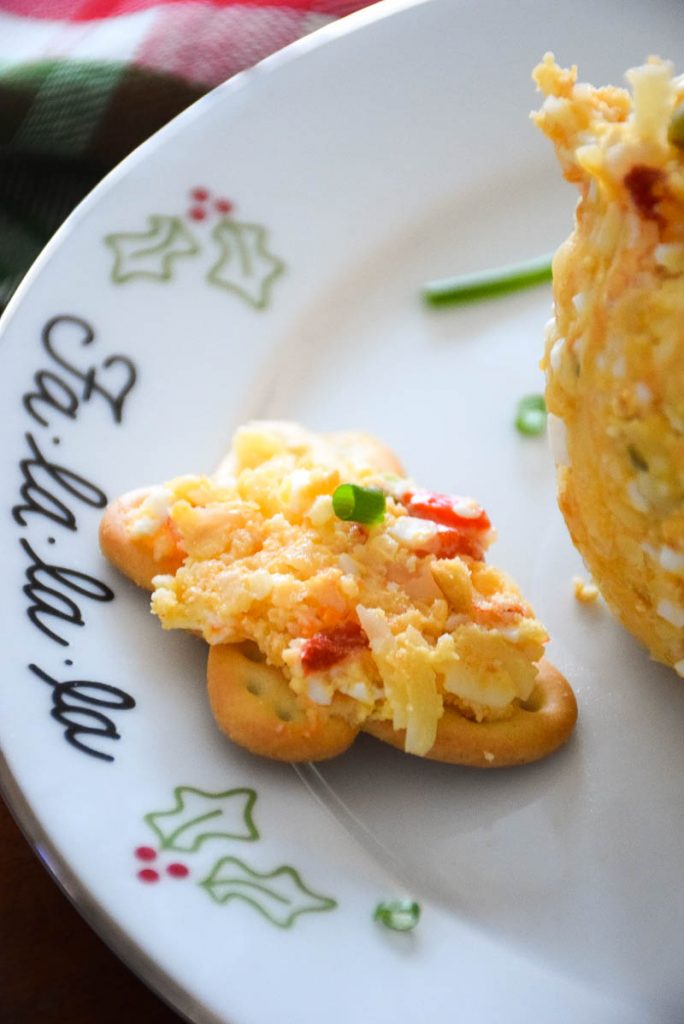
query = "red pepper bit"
x=443 y=509
x=448 y=543
x=325 y=649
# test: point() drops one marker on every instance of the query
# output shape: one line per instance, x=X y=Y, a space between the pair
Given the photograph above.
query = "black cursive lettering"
x=76 y=704
x=48 y=601
x=78 y=331
x=41 y=501
x=52 y=391
x=84 y=708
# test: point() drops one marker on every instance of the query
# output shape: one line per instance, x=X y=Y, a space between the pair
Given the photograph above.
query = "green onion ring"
x=530 y=417
x=399 y=915
x=359 y=504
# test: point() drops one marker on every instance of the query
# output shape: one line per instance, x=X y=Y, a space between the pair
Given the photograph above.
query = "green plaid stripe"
x=63 y=125
x=69 y=101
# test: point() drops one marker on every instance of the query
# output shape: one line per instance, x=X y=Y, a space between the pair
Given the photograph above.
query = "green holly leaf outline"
x=255 y=880
x=170 y=841
x=236 y=229
x=158 y=223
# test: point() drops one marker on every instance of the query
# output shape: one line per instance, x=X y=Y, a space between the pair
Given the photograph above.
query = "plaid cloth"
x=82 y=82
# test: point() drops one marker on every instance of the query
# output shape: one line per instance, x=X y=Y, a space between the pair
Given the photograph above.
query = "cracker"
x=255 y=707
x=135 y=557
x=534 y=730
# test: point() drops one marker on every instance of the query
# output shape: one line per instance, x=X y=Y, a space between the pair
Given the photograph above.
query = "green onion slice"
x=454 y=290
x=359 y=504
x=531 y=415
x=399 y=915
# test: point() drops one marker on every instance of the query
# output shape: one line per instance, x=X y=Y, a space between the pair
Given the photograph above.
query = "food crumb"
x=586 y=593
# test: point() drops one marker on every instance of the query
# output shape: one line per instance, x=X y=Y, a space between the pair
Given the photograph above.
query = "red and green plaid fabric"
x=82 y=82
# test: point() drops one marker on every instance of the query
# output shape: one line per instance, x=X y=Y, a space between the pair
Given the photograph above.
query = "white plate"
x=388 y=150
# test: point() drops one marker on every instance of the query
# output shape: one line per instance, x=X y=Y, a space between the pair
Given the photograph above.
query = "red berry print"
x=223 y=205
x=200 y=195
x=146 y=853
x=148 y=875
x=197 y=213
x=177 y=871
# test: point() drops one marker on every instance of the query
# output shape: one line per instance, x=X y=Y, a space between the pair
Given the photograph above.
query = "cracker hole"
x=534 y=702
x=254 y=687
x=283 y=715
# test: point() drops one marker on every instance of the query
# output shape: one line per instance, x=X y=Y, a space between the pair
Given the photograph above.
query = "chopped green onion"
x=675 y=132
x=399 y=915
x=531 y=415
x=359 y=504
x=450 y=291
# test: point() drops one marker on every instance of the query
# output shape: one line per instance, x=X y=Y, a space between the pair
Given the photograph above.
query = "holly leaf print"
x=245 y=265
x=150 y=254
x=280 y=895
x=198 y=816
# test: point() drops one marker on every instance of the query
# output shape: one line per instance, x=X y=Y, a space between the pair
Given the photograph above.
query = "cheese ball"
x=614 y=353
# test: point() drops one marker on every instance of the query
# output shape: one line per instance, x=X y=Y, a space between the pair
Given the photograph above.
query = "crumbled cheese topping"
x=413 y=533
x=267 y=560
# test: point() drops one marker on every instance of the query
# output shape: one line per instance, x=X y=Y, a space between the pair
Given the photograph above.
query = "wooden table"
x=53 y=968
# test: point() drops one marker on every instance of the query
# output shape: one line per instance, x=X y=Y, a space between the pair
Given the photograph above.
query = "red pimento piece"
x=443 y=509
x=449 y=542
x=323 y=650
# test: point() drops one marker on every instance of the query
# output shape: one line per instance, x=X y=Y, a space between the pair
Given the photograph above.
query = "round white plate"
x=393 y=148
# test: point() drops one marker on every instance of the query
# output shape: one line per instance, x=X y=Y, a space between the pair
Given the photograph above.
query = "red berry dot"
x=200 y=195
x=197 y=213
x=223 y=205
x=146 y=853
x=148 y=875
x=177 y=871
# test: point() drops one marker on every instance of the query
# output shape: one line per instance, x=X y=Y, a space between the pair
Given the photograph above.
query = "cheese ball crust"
x=614 y=356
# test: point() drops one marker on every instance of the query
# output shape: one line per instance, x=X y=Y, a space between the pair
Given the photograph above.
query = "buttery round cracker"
x=133 y=556
x=535 y=729
x=254 y=706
